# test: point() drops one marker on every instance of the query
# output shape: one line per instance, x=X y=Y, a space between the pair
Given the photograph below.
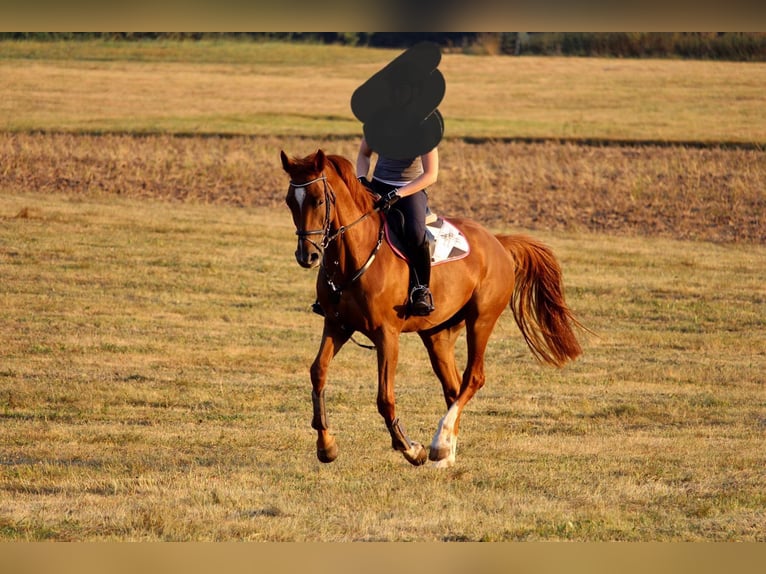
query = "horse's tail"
x=538 y=305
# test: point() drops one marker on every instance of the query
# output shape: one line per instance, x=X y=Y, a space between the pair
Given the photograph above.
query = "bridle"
x=329 y=200
x=328 y=236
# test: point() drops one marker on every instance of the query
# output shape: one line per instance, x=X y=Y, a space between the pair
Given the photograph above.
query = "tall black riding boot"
x=421 y=301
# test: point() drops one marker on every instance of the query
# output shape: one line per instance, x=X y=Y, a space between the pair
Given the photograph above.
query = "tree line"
x=738 y=46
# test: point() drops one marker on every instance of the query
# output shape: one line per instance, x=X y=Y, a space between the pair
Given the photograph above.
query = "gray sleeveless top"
x=397 y=171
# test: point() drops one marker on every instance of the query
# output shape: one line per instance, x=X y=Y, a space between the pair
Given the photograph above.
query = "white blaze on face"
x=300 y=197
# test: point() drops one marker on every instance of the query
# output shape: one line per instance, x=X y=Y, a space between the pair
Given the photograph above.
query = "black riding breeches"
x=413 y=209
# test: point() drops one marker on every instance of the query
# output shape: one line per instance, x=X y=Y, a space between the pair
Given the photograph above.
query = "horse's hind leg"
x=444 y=444
x=441 y=350
x=333 y=338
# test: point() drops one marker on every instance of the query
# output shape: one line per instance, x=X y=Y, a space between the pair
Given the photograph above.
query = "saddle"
x=446 y=242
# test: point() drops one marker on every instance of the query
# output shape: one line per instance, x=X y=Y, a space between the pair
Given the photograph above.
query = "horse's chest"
x=348 y=310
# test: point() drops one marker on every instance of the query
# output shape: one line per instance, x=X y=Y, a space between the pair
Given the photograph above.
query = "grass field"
x=155 y=332
x=154 y=386
x=227 y=87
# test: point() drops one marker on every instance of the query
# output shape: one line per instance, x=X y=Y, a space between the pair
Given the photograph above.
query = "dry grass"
x=154 y=387
x=155 y=333
x=685 y=193
x=284 y=89
x=652 y=100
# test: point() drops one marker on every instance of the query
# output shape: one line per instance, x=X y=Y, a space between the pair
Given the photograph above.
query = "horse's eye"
x=318 y=201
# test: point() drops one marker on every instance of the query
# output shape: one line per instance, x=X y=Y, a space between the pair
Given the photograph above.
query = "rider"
x=404 y=182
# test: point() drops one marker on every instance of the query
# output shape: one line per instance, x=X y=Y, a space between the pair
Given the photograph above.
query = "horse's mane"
x=346 y=171
x=305 y=168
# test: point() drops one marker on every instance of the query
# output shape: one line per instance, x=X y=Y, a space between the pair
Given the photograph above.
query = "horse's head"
x=309 y=199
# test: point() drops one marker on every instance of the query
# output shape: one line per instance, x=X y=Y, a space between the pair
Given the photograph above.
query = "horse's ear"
x=319 y=160
x=285 y=160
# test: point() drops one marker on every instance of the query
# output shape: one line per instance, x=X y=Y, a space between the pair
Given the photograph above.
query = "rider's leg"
x=413 y=208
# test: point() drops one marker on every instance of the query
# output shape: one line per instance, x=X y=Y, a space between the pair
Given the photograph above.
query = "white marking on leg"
x=449 y=461
x=445 y=439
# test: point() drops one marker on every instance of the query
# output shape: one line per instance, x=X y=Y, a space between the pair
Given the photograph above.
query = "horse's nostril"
x=314 y=257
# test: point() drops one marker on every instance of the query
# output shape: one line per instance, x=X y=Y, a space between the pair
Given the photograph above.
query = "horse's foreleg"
x=388 y=355
x=333 y=338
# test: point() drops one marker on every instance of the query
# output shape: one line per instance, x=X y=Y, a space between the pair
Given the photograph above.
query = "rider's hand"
x=387 y=199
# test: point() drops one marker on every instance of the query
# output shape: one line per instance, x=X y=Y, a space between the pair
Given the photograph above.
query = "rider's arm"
x=427 y=178
x=363 y=159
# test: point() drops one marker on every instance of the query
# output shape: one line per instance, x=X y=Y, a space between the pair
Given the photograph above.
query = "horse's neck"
x=347 y=211
x=353 y=246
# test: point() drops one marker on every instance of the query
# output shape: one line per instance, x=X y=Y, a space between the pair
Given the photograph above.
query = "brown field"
x=677 y=192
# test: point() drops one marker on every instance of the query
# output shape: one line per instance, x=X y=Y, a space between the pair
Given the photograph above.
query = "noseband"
x=329 y=198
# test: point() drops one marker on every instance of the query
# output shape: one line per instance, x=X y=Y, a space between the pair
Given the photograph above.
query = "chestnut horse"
x=363 y=286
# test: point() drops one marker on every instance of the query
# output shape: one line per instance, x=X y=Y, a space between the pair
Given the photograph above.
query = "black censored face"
x=398 y=105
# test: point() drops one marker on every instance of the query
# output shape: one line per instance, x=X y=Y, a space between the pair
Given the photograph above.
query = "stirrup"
x=421 y=301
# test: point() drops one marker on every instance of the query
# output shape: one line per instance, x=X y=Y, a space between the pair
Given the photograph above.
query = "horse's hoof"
x=329 y=453
x=439 y=453
x=416 y=455
x=448 y=462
